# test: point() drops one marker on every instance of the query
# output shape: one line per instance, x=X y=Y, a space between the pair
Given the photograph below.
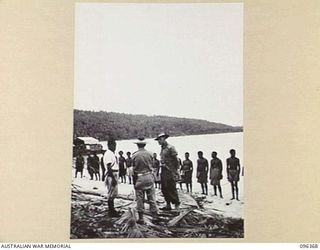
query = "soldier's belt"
x=141 y=174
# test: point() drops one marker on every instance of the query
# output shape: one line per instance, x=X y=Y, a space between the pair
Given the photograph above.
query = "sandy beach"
x=199 y=215
x=225 y=206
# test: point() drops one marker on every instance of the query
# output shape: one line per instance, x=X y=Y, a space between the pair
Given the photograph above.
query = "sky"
x=183 y=60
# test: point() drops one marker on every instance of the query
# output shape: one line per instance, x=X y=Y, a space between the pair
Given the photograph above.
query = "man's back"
x=142 y=161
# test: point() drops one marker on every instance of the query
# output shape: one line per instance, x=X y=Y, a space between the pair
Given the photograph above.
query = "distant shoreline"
x=174 y=136
x=105 y=125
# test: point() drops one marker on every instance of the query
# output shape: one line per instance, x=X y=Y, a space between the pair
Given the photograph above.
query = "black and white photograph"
x=158 y=121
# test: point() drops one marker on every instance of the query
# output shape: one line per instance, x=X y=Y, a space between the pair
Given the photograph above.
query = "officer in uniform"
x=143 y=179
x=169 y=172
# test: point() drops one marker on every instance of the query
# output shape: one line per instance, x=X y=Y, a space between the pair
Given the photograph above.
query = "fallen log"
x=78 y=191
x=176 y=219
x=102 y=196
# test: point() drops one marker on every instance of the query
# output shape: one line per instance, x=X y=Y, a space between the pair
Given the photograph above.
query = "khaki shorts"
x=112 y=191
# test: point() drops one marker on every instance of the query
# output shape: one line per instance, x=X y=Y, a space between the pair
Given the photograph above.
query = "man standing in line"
x=216 y=173
x=90 y=166
x=169 y=172
x=156 y=171
x=129 y=167
x=143 y=179
x=103 y=169
x=202 y=172
x=233 y=172
x=122 y=167
x=112 y=166
x=96 y=166
x=186 y=172
x=79 y=165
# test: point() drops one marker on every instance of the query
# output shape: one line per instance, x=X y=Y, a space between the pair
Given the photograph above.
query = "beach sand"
x=224 y=206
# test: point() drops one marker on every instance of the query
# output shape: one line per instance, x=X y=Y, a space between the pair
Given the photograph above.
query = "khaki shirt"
x=142 y=161
x=142 y=166
x=169 y=157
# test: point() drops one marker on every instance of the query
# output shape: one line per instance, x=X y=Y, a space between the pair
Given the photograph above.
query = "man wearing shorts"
x=112 y=166
x=233 y=173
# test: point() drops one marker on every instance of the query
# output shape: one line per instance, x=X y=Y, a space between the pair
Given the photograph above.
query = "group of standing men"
x=125 y=168
x=143 y=171
x=215 y=174
x=93 y=167
x=143 y=176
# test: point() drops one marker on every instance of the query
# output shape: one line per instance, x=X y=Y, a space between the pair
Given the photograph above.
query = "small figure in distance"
x=216 y=173
x=79 y=165
x=233 y=172
x=202 y=172
x=103 y=169
x=156 y=171
x=96 y=166
x=90 y=164
x=122 y=167
x=129 y=167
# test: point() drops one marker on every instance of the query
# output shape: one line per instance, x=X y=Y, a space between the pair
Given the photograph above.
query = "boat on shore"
x=86 y=146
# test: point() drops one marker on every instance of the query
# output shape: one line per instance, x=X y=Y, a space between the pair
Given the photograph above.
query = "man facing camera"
x=169 y=172
x=111 y=165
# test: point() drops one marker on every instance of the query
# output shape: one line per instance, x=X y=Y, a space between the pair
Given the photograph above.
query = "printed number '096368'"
x=307 y=246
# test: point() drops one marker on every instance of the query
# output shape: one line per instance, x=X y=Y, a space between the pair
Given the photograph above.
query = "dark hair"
x=200 y=152
x=186 y=153
x=232 y=150
x=111 y=141
x=128 y=153
x=120 y=152
x=214 y=152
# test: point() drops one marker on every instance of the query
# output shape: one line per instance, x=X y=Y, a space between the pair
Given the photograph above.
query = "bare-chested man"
x=233 y=173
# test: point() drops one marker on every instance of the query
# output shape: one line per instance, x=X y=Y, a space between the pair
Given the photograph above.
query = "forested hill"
x=103 y=125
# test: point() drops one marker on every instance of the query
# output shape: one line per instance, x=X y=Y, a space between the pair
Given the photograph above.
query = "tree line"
x=103 y=125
